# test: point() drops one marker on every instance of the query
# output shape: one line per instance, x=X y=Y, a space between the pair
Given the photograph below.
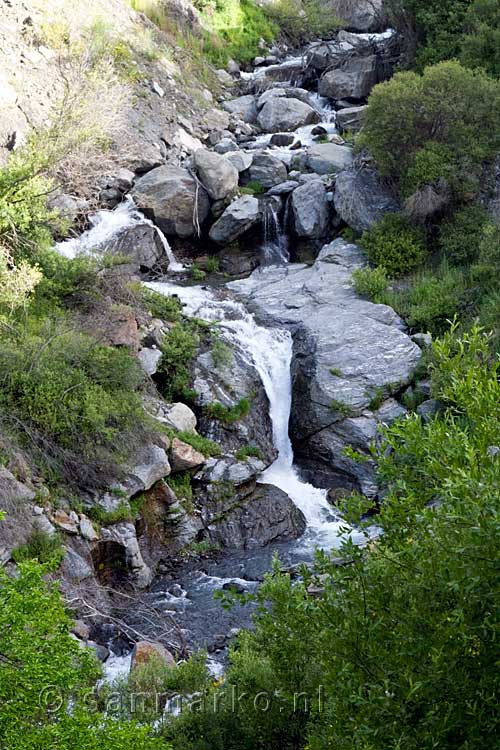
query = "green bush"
x=201 y=444
x=230 y=414
x=480 y=46
x=160 y=305
x=432 y=300
x=248 y=451
x=448 y=109
x=73 y=400
x=395 y=245
x=371 y=283
x=183 y=489
x=459 y=237
x=301 y=20
x=178 y=349
x=46 y=548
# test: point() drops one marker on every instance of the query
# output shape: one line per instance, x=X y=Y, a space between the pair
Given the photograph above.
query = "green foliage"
x=480 y=46
x=341 y=408
x=448 y=111
x=201 y=444
x=46 y=679
x=395 y=245
x=196 y=273
x=248 y=451
x=222 y=354
x=432 y=299
x=183 y=489
x=376 y=398
x=178 y=350
x=371 y=283
x=253 y=187
x=46 y=548
x=161 y=306
x=302 y=20
x=212 y=265
x=72 y=399
x=230 y=414
x=122 y=512
x=459 y=237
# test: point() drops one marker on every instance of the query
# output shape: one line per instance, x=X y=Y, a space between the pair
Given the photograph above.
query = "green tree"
x=480 y=46
x=46 y=678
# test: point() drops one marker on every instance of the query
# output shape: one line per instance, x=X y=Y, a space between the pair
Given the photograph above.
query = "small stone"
x=423 y=340
x=65 y=522
x=149 y=359
x=87 y=530
x=81 y=630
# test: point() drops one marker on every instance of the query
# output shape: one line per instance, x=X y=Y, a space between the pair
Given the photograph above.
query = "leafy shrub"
x=248 y=451
x=459 y=238
x=178 y=349
x=300 y=20
x=161 y=306
x=222 y=354
x=74 y=400
x=182 y=487
x=46 y=548
x=395 y=245
x=230 y=414
x=253 y=187
x=371 y=283
x=432 y=299
x=17 y=282
x=448 y=106
x=201 y=444
x=480 y=46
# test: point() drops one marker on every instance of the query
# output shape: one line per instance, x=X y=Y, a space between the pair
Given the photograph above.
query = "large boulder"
x=354 y=80
x=362 y=198
x=360 y=15
x=171 y=198
x=184 y=457
x=218 y=176
x=267 y=170
x=244 y=108
x=267 y=516
x=237 y=219
x=311 y=210
x=328 y=158
x=146 y=651
x=346 y=350
x=117 y=556
x=350 y=119
x=150 y=465
x=283 y=114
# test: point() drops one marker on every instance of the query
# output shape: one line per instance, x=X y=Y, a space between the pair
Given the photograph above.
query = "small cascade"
x=275 y=248
x=105 y=225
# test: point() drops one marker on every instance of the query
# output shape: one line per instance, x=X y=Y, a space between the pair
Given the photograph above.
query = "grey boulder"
x=244 y=107
x=267 y=170
x=237 y=219
x=283 y=114
x=362 y=198
x=171 y=198
x=354 y=80
x=360 y=15
x=328 y=158
x=310 y=210
x=350 y=119
x=216 y=173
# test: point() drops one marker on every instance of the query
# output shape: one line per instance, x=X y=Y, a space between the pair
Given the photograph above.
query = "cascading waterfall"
x=270 y=351
x=108 y=224
x=275 y=247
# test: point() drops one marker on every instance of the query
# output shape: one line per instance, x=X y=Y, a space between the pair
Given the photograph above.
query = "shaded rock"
x=177 y=416
x=226 y=146
x=241 y=160
x=117 y=556
x=389 y=411
x=285 y=114
x=102 y=652
x=216 y=173
x=74 y=568
x=149 y=359
x=81 y=630
x=87 y=530
x=152 y=465
x=311 y=210
x=362 y=198
x=171 y=197
x=67 y=522
x=350 y=119
x=328 y=158
x=269 y=515
x=353 y=81
x=284 y=188
x=243 y=107
x=428 y=409
x=424 y=340
x=360 y=15
x=145 y=651
x=282 y=139
x=184 y=457
x=13 y=491
x=268 y=170
x=237 y=219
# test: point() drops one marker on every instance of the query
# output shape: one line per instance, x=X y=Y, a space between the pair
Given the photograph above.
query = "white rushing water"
x=269 y=350
x=106 y=225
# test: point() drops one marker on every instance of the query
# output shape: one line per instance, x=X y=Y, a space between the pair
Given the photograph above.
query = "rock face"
x=354 y=81
x=360 y=15
x=285 y=114
x=311 y=210
x=146 y=651
x=171 y=197
x=184 y=456
x=267 y=170
x=327 y=158
x=268 y=516
x=243 y=107
x=334 y=332
x=152 y=465
x=350 y=119
x=117 y=556
x=237 y=219
x=217 y=174
x=361 y=198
